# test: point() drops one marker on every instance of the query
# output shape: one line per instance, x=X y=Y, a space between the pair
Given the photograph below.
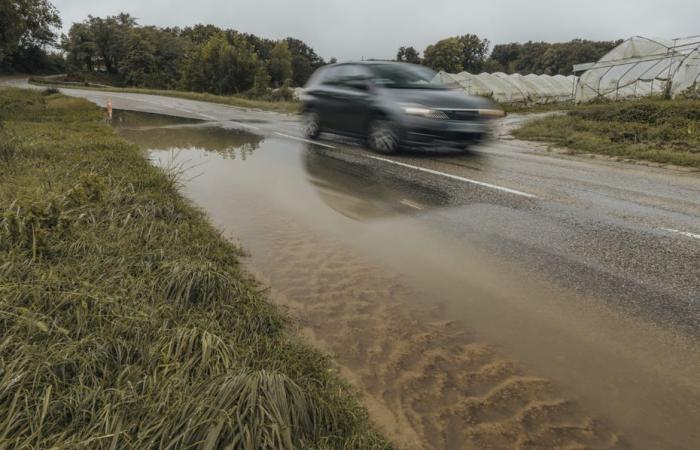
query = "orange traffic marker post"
x=109 y=109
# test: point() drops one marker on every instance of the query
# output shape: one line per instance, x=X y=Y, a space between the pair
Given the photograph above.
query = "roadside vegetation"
x=531 y=108
x=200 y=58
x=118 y=52
x=126 y=320
x=662 y=131
x=282 y=106
x=28 y=34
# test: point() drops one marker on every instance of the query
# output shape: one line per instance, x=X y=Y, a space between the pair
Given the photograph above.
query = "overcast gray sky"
x=352 y=29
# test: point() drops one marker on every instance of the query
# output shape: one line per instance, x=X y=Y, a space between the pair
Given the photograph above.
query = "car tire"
x=382 y=136
x=311 y=124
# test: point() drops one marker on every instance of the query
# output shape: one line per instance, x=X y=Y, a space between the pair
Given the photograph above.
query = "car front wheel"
x=311 y=124
x=383 y=136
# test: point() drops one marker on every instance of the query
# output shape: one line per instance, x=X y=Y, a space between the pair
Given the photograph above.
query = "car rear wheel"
x=383 y=136
x=311 y=124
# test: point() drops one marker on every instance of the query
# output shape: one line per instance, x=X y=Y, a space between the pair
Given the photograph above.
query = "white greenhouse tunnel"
x=639 y=67
x=513 y=88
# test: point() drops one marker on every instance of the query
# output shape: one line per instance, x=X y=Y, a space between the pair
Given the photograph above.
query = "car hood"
x=439 y=98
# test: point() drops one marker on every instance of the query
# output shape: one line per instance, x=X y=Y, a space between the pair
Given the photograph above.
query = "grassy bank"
x=125 y=318
x=231 y=100
x=662 y=131
x=517 y=108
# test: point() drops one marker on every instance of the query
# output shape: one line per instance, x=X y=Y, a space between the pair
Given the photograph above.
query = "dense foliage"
x=201 y=58
x=457 y=54
x=27 y=29
x=205 y=58
x=409 y=55
x=126 y=321
x=547 y=58
x=470 y=53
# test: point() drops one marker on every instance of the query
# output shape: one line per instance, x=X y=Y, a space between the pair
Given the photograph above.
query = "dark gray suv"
x=393 y=105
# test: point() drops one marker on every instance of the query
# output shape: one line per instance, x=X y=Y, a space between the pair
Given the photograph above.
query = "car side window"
x=353 y=76
x=332 y=75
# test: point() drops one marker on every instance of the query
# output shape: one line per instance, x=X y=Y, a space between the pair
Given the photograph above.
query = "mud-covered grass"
x=519 y=108
x=287 y=107
x=662 y=131
x=125 y=319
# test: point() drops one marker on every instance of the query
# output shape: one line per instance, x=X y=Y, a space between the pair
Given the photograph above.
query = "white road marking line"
x=455 y=177
x=245 y=125
x=206 y=116
x=296 y=138
x=683 y=233
x=411 y=204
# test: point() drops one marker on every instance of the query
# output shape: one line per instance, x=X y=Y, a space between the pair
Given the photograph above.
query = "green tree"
x=153 y=58
x=199 y=34
x=139 y=66
x=111 y=36
x=280 y=64
x=98 y=43
x=26 y=26
x=80 y=47
x=304 y=61
x=408 y=54
x=446 y=54
x=548 y=58
x=491 y=66
x=457 y=54
x=221 y=66
x=504 y=55
x=261 y=83
x=261 y=46
x=474 y=51
x=203 y=57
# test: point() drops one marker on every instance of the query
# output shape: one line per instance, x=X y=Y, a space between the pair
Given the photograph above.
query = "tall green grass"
x=663 y=131
x=125 y=318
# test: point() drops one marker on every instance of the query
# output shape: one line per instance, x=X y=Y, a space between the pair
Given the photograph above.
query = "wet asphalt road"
x=625 y=233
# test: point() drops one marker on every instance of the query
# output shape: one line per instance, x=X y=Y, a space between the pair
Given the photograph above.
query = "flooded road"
x=456 y=336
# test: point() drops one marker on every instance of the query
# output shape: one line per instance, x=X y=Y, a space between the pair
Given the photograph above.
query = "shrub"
x=50 y=91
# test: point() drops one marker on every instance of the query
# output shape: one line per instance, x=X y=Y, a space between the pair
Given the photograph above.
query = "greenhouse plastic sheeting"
x=513 y=88
x=641 y=67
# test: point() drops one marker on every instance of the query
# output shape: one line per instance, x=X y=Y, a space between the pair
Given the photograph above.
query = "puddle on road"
x=450 y=348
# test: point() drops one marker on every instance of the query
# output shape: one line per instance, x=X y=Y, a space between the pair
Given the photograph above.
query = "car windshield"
x=404 y=76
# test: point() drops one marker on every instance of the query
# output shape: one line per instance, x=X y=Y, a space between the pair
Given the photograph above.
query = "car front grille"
x=461 y=114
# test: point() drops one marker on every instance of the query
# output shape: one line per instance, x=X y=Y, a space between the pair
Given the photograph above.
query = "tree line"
x=27 y=29
x=201 y=58
x=206 y=58
x=119 y=51
x=470 y=53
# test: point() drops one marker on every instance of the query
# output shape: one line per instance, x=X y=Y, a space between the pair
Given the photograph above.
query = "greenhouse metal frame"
x=642 y=67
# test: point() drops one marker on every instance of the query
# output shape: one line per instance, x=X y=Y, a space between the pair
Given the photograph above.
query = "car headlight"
x=423 y=111
x=491 y=113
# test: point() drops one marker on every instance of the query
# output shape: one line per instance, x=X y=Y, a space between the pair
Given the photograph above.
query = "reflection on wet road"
x=455 y=332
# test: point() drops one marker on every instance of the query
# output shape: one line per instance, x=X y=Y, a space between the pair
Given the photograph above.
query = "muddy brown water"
x=450 y=347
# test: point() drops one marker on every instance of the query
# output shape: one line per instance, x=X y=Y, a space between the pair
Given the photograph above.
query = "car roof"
x=368 y=62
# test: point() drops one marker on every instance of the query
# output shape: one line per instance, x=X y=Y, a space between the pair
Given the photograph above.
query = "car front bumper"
x=421 y=131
